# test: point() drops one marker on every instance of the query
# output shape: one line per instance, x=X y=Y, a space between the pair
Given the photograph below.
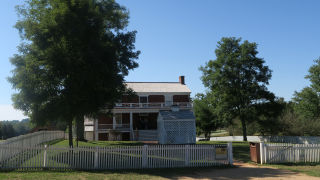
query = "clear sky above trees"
x=176 y=37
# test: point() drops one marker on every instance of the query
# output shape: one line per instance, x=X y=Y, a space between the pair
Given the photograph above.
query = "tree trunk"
x=244 y=128
x=207 y=135
x=70 y=133
x=80 y=128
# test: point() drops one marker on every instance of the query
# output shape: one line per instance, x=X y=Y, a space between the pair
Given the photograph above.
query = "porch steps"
x=147 y=135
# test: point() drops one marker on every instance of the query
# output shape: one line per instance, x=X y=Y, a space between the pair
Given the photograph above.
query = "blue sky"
x=177 y=37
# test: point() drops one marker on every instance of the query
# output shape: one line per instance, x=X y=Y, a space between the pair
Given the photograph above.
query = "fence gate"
x=289 y=153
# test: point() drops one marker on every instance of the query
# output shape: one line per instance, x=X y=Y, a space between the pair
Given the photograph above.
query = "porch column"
x=96 y=133
x=114 y=121
x=131 y=126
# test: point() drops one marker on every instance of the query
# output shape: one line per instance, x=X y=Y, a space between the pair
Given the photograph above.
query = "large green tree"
x=238 y=78
x=73 y=58
x=306 y=103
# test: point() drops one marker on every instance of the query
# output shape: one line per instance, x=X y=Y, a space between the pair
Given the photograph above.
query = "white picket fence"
x=273 y=139
x=28 y=140
x=121 y=157
x=289 y=153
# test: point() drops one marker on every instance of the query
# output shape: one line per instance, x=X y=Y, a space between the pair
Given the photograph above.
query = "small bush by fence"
x=128 y=157
x=289 y=153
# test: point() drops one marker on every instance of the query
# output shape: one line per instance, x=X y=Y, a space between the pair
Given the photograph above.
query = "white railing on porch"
x=113 y=126
x=271 y=153
x=153 y=105
x=121 y=157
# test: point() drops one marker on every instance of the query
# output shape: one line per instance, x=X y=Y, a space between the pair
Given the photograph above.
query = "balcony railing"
x=153 y=105
x=114 y=126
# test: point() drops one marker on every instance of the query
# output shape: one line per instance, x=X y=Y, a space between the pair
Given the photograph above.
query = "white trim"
x=162 y=93
x=96 y=130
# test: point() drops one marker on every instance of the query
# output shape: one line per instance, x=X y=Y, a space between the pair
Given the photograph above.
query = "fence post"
x=144 y=156
x=45 y=156
x=186 y=156
x=230 y=155
x=96 y=158
x=261 y=152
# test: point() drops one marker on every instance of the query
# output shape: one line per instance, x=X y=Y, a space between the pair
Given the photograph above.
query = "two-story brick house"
x=136 y=118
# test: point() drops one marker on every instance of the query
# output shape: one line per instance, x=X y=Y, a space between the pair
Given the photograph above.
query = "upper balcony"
x=153 y=105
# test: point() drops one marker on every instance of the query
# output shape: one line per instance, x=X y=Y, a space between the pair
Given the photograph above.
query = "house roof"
x=158 y=87
x=175 y=115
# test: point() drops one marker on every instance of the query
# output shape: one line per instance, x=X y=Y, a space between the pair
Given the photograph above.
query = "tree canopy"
x=238 y=78
x=207 y=119
x=73 y=58
x=306 y=104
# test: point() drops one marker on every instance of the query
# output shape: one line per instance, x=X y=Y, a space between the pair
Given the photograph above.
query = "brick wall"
x=181 y=98
x=105 y=119
x=130 y=99
x=156 y=98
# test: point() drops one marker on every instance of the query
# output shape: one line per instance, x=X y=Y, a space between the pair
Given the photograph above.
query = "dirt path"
x=248 y=171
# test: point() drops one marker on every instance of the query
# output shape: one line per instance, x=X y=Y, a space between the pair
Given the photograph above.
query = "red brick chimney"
x=181 y=79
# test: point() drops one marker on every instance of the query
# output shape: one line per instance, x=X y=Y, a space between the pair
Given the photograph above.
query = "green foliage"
x=10 y=129
x=267 y=114
x=305 y=114
x=307 y=103
x=314 y=75
x=206 y=117
x=238 y=78
x=73 y=59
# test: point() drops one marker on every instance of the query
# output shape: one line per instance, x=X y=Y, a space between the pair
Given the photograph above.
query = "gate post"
x=96 y=158
x=230 y=155
x=262 y=152
x=144 y=156
x=45 y=156
x=186 y=155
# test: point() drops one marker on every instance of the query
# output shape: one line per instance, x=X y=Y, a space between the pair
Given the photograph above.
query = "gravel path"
x=248 y=171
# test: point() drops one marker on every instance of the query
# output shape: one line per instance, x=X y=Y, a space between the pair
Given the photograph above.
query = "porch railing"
x=114 y=126
x=153 y=105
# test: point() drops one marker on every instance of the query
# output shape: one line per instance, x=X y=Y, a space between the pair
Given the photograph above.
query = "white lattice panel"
x=178 y=132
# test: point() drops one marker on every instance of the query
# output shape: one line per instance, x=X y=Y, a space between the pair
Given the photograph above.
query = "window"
x=143 y=99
